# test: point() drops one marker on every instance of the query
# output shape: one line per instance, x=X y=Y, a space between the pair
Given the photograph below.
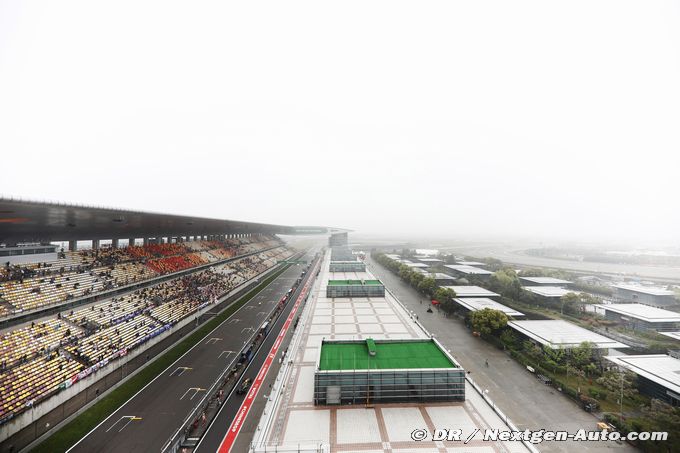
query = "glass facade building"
x=347 y=266
x=355 y=288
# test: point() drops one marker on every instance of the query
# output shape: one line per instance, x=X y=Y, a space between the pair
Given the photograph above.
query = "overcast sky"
x=534 y=119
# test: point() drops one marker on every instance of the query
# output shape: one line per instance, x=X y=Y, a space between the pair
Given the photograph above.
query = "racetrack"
x=149 y=419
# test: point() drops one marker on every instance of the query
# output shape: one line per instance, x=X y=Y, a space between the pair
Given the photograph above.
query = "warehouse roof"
x=651 y=290
x=470 y=270
x=480 y=303
x=643 y=312
x=659 y=368
x=545 y=280
x=470 y=263
x=548 y=291
x=673 y=335
x=417 y=265
x=471 y=291
x=430 y=260
x=556 y=333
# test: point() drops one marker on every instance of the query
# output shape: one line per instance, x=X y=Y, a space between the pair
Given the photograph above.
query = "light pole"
x=621 y=401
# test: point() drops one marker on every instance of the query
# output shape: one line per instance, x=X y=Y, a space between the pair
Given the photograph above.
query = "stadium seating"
x=24 y=385
x=86 y=272
x=39 y=360
x=24 y=344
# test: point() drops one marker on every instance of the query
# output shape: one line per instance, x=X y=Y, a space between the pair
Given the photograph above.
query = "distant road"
x=669 y=274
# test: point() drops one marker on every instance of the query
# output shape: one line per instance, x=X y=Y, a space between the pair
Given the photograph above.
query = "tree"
x=570 y=303
x=505 y=281
x=555 y=355
x=488 y=321
x=404 y=272
x=532 y=350
x=617 y=381
x=508 y=339
x=427 y=286
x=415 y=279
x=573 y=303
x=661 y=416
x=445 y=297
x=582 y=354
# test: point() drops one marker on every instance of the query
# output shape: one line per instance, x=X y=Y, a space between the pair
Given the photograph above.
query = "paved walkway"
x=528 y=403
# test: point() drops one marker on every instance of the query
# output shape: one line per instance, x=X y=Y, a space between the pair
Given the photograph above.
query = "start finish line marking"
x=237 y=423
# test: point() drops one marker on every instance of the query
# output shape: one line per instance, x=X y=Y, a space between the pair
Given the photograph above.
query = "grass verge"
x=68 y=435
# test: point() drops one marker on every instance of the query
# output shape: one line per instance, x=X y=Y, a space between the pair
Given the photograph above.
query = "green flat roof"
x=353 y=282
x=389 y=355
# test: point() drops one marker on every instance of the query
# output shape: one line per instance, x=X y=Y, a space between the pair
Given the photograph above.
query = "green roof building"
x=386 y=371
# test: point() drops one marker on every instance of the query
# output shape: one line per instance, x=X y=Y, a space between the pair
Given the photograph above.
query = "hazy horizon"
x=484 y=120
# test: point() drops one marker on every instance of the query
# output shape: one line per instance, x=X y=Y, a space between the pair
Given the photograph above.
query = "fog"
x=443 y=119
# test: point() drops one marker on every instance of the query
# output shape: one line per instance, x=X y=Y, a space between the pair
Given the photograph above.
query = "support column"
x=114 y=243
x=131 y=242
x=146 y=241
x=95 y=244
x=72 y=246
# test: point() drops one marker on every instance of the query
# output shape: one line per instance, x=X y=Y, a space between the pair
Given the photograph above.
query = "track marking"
x=181 y=370
x=233 y=321
x=225 y=352
x=129 y=418
x=249 y=307
x=213 y=340
x=246 y=329
x=259 y=313
x=195 y=391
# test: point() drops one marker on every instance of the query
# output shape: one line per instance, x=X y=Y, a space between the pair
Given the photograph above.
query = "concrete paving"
x=527 y=402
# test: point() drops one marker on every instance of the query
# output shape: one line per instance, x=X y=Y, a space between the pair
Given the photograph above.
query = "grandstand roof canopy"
x=24 y=221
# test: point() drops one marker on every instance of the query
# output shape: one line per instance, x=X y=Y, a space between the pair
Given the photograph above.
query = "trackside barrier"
x=242 y=413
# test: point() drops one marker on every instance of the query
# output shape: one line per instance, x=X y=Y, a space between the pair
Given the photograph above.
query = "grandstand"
x=39 y=360
x=70 y=318
x=85 y=273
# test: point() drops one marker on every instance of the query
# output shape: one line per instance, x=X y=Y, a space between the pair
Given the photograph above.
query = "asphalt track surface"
x=214 y=436
x=147 y=421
